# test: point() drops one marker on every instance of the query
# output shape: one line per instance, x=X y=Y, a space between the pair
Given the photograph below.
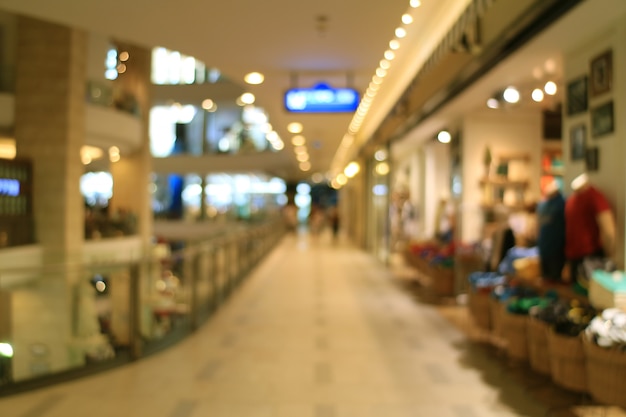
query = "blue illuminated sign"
x=321 y=99
x=9 y=187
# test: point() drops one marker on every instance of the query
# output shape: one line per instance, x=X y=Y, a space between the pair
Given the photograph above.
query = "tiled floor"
x=320 y=329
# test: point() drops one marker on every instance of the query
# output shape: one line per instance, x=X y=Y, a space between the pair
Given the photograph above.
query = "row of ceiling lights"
x=376 y=82
x=512 y=95
x=298 y=141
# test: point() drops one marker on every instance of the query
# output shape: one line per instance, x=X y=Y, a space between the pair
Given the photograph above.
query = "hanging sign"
x=322 y=98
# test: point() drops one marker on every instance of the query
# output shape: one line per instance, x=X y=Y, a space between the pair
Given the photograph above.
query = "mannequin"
x=551 y=235
x=589 y=225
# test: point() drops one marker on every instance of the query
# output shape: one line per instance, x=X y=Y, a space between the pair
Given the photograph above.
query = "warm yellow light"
x=351 y=170
x=407 y=19
x=298 y=140
x=381 y=72
x=415 y=3
x=7 y=149
x=254 y=78
x=121 y=68
x=114 y=154
x=89 y=153
x=389 y=54
x=537 y=95
x=382 y=168
x=550 y=88
x=384 y=64
x=300 y=149
x=124 y=56
x=208 y=104
x=302 y=157
x=305 y=166
x=400 y=32
x=247 y=98
x=295 y=127
x=444 y=136
x=394 y=44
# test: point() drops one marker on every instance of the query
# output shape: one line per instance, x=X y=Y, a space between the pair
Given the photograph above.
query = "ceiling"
x=298 y=44
x=293 y=43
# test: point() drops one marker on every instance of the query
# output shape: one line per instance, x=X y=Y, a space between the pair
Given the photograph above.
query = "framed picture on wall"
x=578 y=142
x=592 y=159
x=577 y=96
x=601 y=74
x=602 y=119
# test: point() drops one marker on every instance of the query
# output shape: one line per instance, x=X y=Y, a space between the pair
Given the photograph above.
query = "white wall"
x=436 y=183
x=505 y=131
x=611 y=176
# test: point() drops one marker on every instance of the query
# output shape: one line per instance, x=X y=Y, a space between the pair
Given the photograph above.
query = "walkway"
x=318 y=330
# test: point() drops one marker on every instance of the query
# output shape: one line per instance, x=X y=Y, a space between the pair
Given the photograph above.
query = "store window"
x=172 y=67
x=226 y=196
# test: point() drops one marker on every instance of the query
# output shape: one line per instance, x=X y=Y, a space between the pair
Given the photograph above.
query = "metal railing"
x=75 y=320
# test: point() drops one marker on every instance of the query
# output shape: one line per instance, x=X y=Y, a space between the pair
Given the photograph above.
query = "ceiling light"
x=407 y=19
x=247 y=98
x=389 y=54
x=305 y=166
x=550 y=66
x=278 y=145
x=352 y=169
x=302 y=157
x=298 y=140
x=537 y=95
x=300 y=149
x=550 y=88
x=124 y=56
x=381 y=155
x=295 y=127
x=394 y=44
x=415 y=3
x=384 y=64
x=444 y=136
x=272 y=136
x=493 y=103
x=400 y=32
x=382 y=168
x=381 y=72
x=209 y=105
x=511 y=95
x=377 y=80
x=254 y=78
x=341 y=179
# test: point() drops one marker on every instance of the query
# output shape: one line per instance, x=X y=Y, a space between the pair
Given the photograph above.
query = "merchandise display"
x=551 y=235
x=589 y=226
x=608 y=289
x=608 y=330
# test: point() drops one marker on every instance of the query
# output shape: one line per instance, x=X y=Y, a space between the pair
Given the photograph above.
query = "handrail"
x=108 y=314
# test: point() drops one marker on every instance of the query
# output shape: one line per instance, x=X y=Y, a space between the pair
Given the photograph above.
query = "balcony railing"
x=71 y=320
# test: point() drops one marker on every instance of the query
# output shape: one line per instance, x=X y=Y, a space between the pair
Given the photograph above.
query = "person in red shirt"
x=589 y=225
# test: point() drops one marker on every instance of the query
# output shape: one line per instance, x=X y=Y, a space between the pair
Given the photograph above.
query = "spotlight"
x=493 y=103
x=511 y=95
x=550 y=88
x=444 y=136
x=537 y=95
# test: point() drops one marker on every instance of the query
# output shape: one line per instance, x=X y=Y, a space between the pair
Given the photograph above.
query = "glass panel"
x=63 y=320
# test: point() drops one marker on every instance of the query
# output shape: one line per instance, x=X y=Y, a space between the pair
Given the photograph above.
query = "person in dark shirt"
x=551 y=237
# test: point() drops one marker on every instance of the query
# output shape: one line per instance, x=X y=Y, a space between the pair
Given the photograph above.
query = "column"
x=49 y=131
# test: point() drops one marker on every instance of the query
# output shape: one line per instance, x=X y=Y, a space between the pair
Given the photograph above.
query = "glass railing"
x=67 y=321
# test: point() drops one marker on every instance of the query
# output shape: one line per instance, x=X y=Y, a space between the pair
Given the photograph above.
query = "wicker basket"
x=443 y=281
x=567 y=361
x=606 y=373
x=538 y=353
x=496 y=311
x=514 y=331
x=479 y=308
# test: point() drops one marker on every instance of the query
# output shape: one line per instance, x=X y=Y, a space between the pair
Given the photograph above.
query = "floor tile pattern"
x=319 y=329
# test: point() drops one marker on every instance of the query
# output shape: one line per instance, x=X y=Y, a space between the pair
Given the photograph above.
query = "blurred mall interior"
x=354 y=208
